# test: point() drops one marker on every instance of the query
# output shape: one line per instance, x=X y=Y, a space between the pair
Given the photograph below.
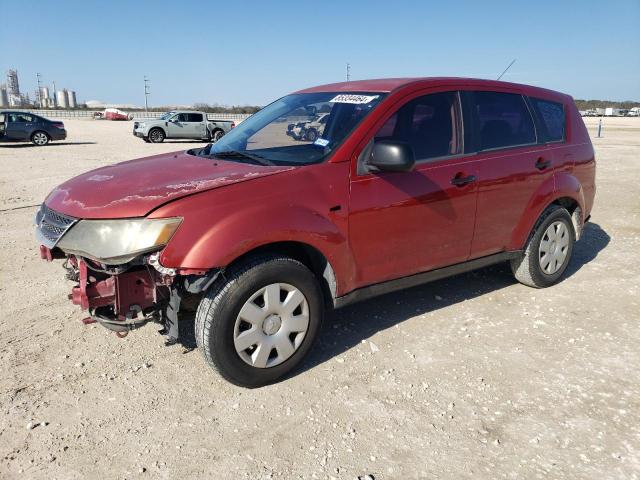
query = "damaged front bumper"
x=129 y=290
x=125 y=297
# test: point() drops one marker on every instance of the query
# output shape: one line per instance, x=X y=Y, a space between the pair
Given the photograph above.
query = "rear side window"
x=194 y=117
x=552 y=116
x=430 y=124
x=503 y=120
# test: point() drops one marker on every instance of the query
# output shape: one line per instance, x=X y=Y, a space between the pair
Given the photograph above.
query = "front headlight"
x=141 y=125
x=118 y=241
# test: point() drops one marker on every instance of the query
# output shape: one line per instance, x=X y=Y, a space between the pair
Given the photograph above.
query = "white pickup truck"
x=181 y=124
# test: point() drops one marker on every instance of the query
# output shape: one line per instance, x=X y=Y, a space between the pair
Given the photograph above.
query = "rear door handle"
x=541 y=164
x=461 y=181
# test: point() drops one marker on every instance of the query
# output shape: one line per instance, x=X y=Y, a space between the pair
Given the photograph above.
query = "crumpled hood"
x=134 y=188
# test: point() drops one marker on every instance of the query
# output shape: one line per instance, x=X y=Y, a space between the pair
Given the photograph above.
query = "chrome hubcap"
x=554 y=247
x=40 y=138
x=271 y=325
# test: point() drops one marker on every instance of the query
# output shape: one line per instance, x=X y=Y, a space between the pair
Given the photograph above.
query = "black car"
x=27 y=127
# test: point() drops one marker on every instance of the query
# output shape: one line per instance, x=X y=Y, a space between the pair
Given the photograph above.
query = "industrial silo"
x=44 y=97
x=62 y=98
x=4 y=98
x=72 y=99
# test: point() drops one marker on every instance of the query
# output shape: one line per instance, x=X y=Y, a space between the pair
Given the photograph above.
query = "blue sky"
x=250 y=52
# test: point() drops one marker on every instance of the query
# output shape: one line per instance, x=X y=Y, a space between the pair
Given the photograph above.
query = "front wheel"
x=548 y=251
x=156 y=135
x=259 y=322
x=39 y=138
x=311 y=135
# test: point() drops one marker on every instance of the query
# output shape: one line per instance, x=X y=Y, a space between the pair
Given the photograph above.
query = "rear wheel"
x=39 y=138
x=216 y=135
x=156 y=135
x=259 y=322
x=548 y=252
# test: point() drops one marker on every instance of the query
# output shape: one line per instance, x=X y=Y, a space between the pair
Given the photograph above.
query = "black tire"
x=219 y=308
x=146 y=140
x=40 y=138
x=311 y=135
x=527 y=268
x=216 y=135
x=156 y=135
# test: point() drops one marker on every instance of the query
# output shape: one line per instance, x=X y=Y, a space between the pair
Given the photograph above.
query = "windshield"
x=167 y=116
x=298 y=129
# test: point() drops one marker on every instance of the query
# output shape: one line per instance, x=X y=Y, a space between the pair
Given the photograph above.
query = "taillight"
x=59 y=125
x=233 y=124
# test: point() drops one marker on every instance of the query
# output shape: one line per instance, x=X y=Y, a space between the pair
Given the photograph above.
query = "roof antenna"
x=505 y=70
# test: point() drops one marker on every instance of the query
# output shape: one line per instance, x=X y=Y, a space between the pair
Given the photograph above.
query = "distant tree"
x=591 y=104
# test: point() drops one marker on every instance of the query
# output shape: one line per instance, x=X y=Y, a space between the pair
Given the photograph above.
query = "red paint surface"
x=389 y=224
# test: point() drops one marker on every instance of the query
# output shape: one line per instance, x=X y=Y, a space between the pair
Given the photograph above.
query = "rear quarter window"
x=553 y=118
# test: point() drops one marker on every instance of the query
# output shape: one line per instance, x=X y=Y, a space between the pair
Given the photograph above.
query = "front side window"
x=288 y=131
x=503 y=120
x=430 y=124
x=552 y=116
x=182 y=117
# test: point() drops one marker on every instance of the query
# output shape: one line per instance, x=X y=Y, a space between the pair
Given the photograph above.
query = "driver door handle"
x=541 y=164
x=461 y=181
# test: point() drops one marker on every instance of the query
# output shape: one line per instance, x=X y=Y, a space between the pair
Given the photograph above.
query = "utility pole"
x=146 y=94
x=348 y=72
x=55 y=95
x=38 y=92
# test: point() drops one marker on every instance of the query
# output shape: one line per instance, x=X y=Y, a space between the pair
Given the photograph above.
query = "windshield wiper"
x=237 y=154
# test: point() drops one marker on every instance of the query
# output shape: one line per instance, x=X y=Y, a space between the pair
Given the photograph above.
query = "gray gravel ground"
x=471 y=377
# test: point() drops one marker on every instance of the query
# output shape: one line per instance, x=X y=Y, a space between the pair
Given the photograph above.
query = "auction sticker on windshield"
x=357 y=99
x=321 y=142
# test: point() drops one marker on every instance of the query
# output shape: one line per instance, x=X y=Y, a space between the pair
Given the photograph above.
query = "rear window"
x=503 y=120
x=553 y=118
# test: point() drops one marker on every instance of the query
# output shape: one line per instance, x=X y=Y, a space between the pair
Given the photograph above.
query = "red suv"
x=408 y=181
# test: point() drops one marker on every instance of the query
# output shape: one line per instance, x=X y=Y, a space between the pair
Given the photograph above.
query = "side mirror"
x=392 y=156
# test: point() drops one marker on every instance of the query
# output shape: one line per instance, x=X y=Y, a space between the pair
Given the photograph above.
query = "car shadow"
x=347 y=327
x=52 y=144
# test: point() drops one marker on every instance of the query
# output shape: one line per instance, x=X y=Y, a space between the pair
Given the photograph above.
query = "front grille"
x=51 y=225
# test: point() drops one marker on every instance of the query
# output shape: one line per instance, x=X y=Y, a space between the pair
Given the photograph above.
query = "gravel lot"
x=472 y=377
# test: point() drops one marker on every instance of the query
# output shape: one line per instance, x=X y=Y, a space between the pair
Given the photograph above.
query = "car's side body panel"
x=371 y=228
x=386 y=212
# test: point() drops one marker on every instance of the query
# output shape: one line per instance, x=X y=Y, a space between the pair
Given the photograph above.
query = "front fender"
x=234 y=235
x=561 y=185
